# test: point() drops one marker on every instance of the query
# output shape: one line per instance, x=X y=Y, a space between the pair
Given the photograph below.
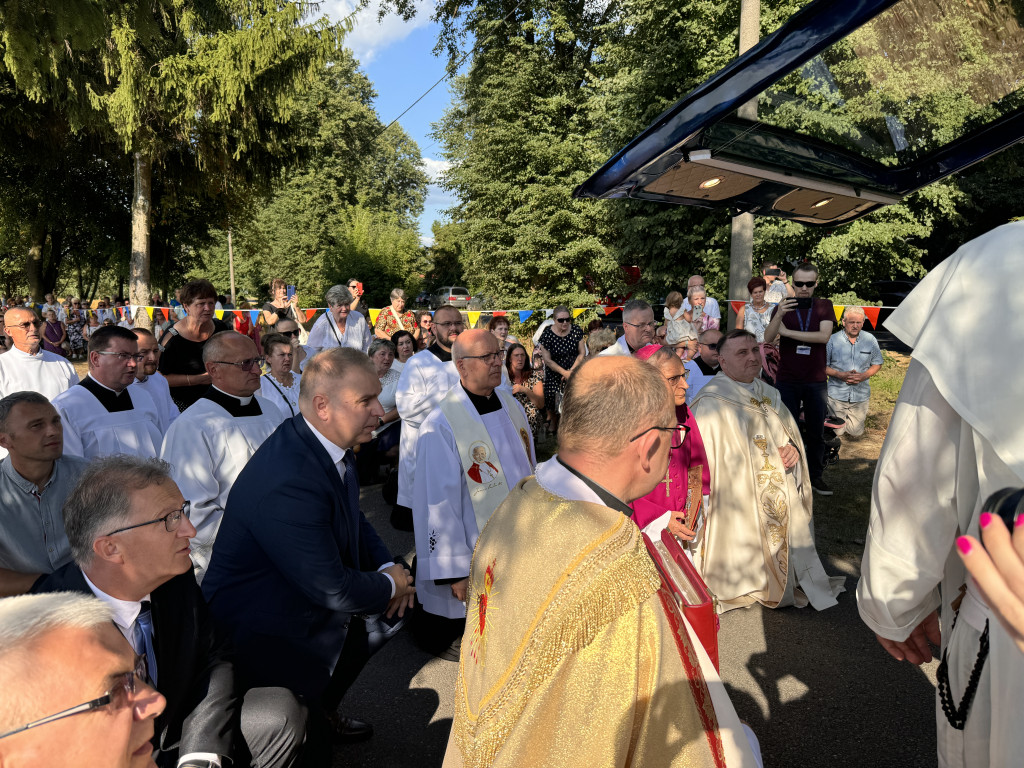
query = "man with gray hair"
x=637 y=329
x=852 y=356
x=340 y=325
x=212 y=439
x=35 y=479
x=57 y=652
x=562 y=592
x=101 y=417
x=129 y=529
x=297 y=565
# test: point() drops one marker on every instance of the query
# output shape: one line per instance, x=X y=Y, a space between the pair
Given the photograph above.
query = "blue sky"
x=397 y=56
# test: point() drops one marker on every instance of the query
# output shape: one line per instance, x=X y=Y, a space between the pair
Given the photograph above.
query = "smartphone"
x=291 y=291
x=805 y=302
x=359 y=287
x=774 y=271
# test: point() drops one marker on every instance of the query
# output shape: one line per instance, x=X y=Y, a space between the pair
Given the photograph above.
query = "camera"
x=774 y=271
x=804 y=302
x=1006 y=503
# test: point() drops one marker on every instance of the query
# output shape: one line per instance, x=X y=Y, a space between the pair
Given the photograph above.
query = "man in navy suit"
x=297 y=565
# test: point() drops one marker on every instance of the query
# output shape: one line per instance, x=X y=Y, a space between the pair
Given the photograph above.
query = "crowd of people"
x=187 y=516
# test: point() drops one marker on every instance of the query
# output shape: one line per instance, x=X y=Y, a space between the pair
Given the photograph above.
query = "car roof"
x=839 y=129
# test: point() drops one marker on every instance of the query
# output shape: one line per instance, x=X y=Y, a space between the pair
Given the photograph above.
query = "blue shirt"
x=841 y=355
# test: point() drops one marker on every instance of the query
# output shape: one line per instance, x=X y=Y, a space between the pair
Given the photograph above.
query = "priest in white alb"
x=475 y=446
x=102 y=414
x=758 y=540
x=151 y=381
x=956 y=436
x=426 y=378
x=213 y=439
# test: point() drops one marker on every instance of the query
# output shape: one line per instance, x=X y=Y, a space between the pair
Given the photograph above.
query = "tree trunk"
x=741 y=246
x=36 y=256
x=51 y=267
x=142 y=203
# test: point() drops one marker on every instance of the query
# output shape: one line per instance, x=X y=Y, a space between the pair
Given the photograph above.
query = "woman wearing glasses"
x=181 y=362
x=561 y=345
x=684 y=491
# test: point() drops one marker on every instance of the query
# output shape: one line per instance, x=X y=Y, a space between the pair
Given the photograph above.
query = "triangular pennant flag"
x=219 y=314
x=524 y=315
x=309 y=314
x=254 y=316
x=838 y=309
x=577 y=312
x=132 y=310
x=373 y=316
x=149 y=311
x=238 y=314
x=473 y=318
x=500 y=313
x=871 y=313
x=736 y=305
x=548 y=312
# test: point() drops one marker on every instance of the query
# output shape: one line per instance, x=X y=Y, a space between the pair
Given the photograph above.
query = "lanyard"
x=804 y=323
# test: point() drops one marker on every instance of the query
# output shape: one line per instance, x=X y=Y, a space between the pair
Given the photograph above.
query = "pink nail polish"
x=964 y=544
x=985 y=520
x=1019 y=521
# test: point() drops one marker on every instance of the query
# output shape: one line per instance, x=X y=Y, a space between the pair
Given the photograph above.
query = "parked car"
x=450 y=296
x=422 y=300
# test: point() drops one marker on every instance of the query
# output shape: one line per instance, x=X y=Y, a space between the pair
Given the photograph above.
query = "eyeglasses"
x=124 y=357
x=674 y=380
x=124 y=689
x=678 y=435
x=458 y=324
x=641 y=325
x=709 y=346
x=290 y=333
x=563 y=319
x=171 y=520
x=245 y=365
x=805 y=283
x=490 y=357
x=26 y=325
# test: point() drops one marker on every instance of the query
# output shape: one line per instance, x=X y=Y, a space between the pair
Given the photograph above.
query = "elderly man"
x=704 y=367
x=758 y=542
x=711 y=308
x=35 y=479
x=954 y=439
x=562 y=593
x=637 y=329
x=852 y=356
x=426 y=378
x=804 y=324
x=339 y=326
x=129 y=531
x=74 y=693
x=297 y=566
x=26 y=366
x=101 y=417
x=472 y=449
x=214 y=438
x=151 y=381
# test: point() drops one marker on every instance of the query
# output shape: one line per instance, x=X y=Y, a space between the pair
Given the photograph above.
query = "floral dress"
x=564 y=351
x=74 y=327
x=533 y=414
x=390 y=323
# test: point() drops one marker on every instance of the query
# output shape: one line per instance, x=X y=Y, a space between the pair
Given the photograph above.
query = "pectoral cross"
x=668 y=482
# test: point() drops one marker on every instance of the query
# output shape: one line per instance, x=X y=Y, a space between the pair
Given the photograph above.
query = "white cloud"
x=434 y=168
x=370 y=37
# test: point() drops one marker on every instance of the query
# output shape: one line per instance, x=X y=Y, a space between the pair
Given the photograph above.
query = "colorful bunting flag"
x=524 y=315
x=548 y=312
x=473 y=318
x=309 y=314
x=254 y=316
x=219 y=314
x=736 y=305
x=838 y=309
x=373 y=316
x=149 y=311
x=500 y=313
x=577 y=312
x=871 y=313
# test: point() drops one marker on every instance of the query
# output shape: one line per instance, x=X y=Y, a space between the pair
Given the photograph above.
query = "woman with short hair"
x=281 y=305
x=340 y=325
x=394 y=318
x=405 y=347
x=280 y=385
x=499 y=326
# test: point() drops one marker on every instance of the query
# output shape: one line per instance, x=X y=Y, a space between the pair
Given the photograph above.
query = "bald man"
x=472 y=448
x=211 y=441
x=568 y=615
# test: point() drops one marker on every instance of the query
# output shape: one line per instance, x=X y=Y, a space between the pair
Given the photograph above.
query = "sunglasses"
x=290 y=333
x=709 y=346
x=563 y=319
x=805 y=283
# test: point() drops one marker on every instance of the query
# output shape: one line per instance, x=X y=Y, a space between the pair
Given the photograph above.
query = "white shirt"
x=44 y=372
x=619 y=349
x=158 y=390
x=325 y=333
x=285 y=398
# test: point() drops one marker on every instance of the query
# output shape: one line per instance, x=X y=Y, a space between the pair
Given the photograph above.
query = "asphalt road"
x=816 y=687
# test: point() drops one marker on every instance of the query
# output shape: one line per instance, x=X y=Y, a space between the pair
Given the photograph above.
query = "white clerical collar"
x=242 y=400
x=557 y=480
x=750 y=386
x=124 y=611
x=336 y=452
x=101 y=384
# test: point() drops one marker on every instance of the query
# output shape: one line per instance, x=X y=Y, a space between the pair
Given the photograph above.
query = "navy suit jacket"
x=292 y=563
x=193 y=665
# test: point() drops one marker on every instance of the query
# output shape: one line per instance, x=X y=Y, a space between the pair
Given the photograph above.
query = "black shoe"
x=821 y=487
x=401 y=518
x=348 y=730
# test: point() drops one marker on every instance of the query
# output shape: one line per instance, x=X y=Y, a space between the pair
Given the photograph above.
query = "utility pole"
x=741 y=244
x=231 y=268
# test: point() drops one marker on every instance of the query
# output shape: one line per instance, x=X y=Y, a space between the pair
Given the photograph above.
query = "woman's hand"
x=998 y=570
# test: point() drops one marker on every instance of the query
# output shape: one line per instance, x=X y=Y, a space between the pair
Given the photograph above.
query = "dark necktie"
x=351 y=482
x=142 y=635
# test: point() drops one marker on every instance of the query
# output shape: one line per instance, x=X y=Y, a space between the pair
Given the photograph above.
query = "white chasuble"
x=156 y=387
x=424 y=381
x=758 y=542
x=91 y=431
x=444 y=517
x=207 y=448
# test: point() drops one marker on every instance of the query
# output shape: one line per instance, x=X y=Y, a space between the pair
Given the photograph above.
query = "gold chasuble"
x=575 y=653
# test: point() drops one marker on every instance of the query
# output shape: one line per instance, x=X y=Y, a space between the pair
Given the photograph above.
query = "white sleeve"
x=711 y=308
x=315 y=341
x=193 y=468
x=413 y=397
x=72 y=439
x=914 y=518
